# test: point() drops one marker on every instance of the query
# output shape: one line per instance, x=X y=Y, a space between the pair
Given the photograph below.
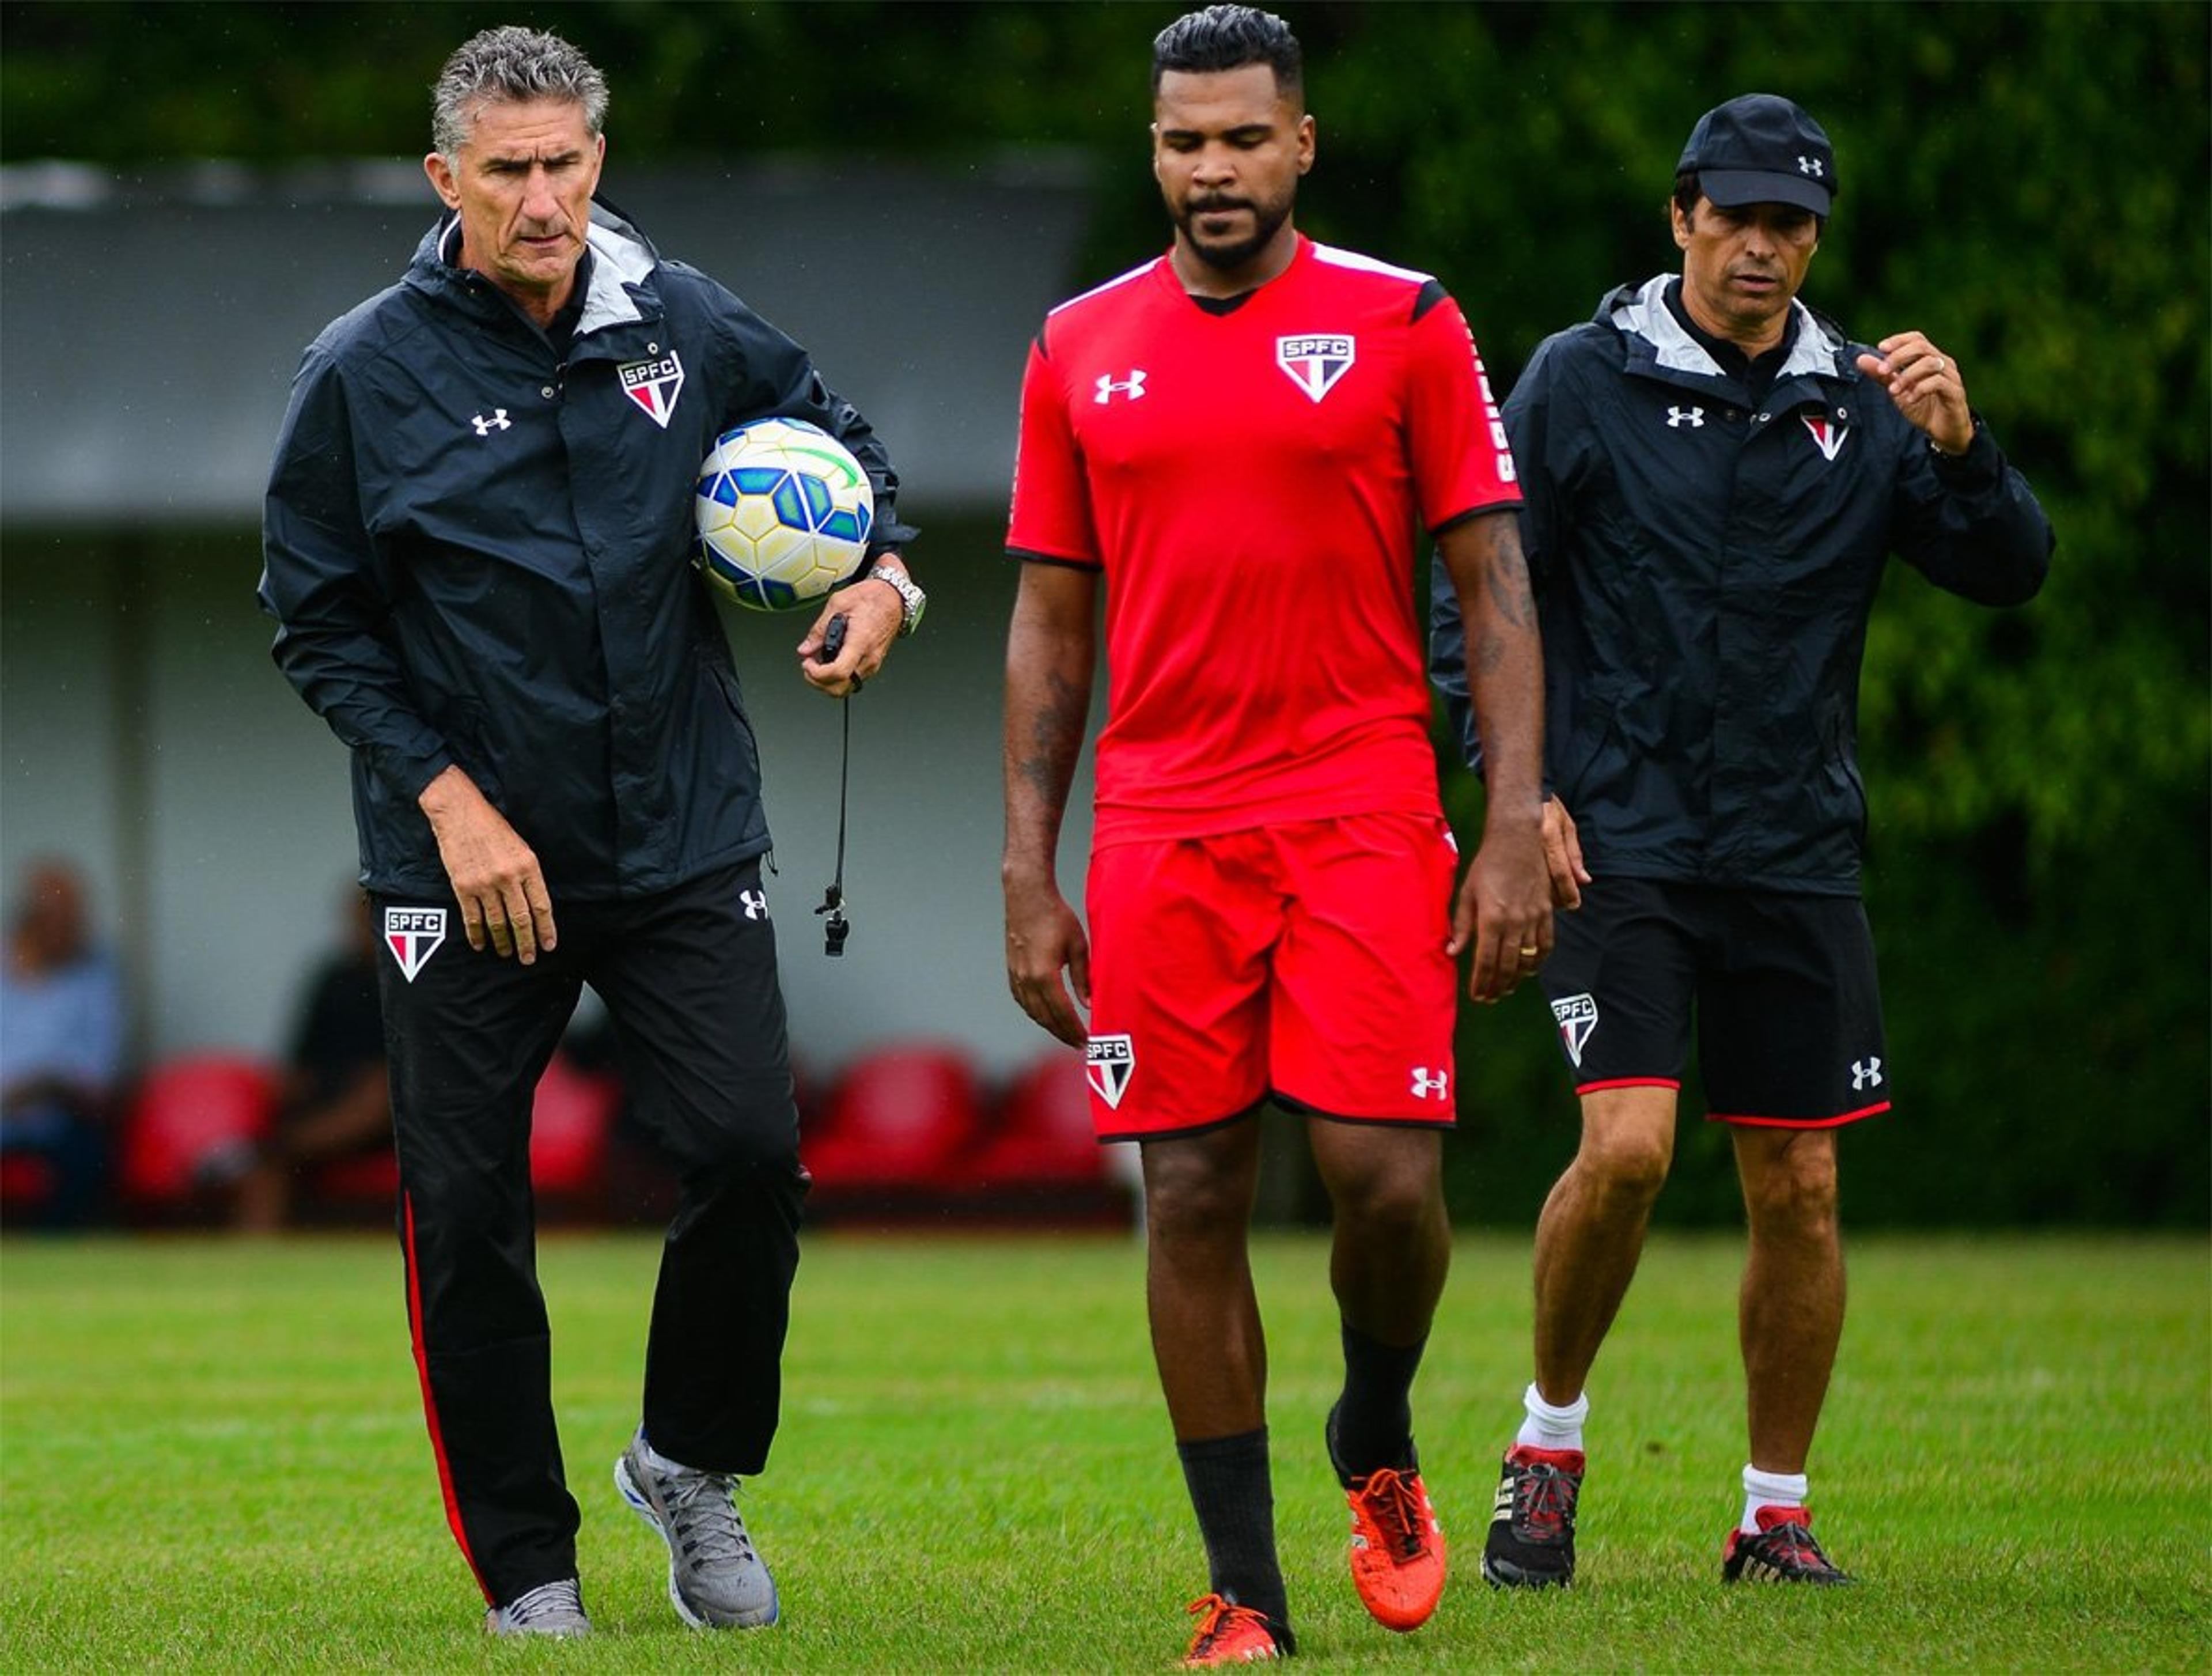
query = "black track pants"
x=689 y=979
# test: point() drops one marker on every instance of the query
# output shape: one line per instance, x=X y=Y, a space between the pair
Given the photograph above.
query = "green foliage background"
x=2028 y=184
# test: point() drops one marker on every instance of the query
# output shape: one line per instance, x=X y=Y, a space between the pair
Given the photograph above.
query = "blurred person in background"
x=476 y=544
x=335 y=1098
x=1715 y=477
x=61 y=1042
x=1236 y=444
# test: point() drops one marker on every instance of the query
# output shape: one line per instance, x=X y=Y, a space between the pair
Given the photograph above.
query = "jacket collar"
x=1641 y=314
x=617 y=292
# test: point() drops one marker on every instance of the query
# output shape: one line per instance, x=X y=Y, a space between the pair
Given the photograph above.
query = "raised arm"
x=1965 y=518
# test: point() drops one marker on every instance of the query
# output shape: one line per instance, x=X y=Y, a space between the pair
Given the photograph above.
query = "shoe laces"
x=555 y=1600
x=1221 y=1617
x=1790 y=1547
x=1543 y=1501
x=1392 y=1500
x=702 y=1508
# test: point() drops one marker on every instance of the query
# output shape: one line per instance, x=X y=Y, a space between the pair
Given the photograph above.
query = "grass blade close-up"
x=212 y=1456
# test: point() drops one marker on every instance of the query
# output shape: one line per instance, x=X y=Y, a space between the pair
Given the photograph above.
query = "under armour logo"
x=1866 y=1073
x=1811 y=166
x=1430 y=1084
x=754 y=902
x=498 y=421
x=1692 y=417
x=1131 y=387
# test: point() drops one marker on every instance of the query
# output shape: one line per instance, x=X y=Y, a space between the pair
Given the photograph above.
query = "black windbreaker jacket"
x=1705 y=567
x=478 y=550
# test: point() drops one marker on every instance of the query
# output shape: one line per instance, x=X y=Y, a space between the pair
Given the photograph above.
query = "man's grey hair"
x=516 y=65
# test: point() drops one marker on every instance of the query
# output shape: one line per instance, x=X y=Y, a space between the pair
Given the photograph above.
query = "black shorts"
x=1782 y=984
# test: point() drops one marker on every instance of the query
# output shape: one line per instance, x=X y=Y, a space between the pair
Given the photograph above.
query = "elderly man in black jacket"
x=1713 y=478
x=477 y=549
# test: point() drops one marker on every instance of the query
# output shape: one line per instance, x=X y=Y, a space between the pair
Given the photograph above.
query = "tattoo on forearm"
x=1489 y=652
x=1056 y=737
x=1506 y=575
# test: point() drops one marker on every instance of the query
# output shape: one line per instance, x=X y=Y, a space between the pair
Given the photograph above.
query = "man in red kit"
x=1238 y=439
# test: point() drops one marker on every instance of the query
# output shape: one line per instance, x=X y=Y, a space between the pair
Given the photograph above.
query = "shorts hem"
x=1300 y=1108
x=1604 y=1084
x=1836 y=1122
x=1108 y=1137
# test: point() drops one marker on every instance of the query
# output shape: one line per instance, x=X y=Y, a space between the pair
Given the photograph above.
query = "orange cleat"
x=1397 y=1548
x=1231 y=1634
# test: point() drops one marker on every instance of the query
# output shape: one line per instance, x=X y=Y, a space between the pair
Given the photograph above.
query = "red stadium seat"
x=368 y=1175
x=25 y=1181
x=570 y=1120
x=183 y=1111
x=570 y=1124
x=1044 y=1138
x=899 y=1122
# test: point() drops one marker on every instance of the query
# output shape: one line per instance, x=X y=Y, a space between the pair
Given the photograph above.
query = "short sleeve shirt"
x=1251 y=484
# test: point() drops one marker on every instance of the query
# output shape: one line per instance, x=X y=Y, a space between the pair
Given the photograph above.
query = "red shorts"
x=1304 y=961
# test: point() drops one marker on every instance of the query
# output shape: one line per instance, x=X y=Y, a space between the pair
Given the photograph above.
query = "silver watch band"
x=911 y=598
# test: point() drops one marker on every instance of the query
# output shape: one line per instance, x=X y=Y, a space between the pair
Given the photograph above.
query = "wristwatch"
x=911 y=598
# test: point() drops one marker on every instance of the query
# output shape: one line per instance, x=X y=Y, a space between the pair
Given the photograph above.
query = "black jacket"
x=1704 y=566
x=478 y=550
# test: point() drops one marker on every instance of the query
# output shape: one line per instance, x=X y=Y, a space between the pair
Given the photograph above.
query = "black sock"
x=1372 y=1426
x=1235 y=1506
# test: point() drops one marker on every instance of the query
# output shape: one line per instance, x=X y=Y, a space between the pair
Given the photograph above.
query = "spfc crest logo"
x=652 y=386
x=1108 y=1062
x=1315 y=361
x=1828 y=436
x=1577 y=1017
x=413 y=936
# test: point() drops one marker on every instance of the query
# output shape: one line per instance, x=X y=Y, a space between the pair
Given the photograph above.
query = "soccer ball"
x=783 y=512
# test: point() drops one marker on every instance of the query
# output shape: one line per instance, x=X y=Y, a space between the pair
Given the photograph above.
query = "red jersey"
x=1248 y=480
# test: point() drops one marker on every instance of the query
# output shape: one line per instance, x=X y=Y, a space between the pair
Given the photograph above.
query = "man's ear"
x=442 y=180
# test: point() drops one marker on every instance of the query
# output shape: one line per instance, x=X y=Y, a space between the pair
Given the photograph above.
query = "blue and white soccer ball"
x=783 y=512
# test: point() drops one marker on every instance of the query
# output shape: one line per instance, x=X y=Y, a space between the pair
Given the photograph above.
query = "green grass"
x=212 y=1457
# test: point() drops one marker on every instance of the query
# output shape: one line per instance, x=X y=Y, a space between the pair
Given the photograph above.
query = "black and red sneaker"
x=1531 y=1529
x=1784 y=1551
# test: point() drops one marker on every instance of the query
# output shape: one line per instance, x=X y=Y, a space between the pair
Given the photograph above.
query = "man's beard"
x=1268 y=220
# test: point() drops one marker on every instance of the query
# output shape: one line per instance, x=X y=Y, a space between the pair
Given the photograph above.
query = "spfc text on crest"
x=1316 y=360
x=413 y=936
x=1577 y=1017
x=653 y=385
x=1109 y=1062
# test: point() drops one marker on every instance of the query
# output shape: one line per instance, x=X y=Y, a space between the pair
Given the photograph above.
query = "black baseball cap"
x=1760 y=149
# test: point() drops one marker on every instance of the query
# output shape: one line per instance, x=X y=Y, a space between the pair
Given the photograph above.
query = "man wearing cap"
x=1714 y=477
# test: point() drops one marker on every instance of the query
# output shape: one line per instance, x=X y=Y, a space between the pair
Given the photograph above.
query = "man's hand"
x=495 y=874
x=1563 y=855
x=1043 y=939
x=1503 y=911
x=874 y=614
x=1925 y=387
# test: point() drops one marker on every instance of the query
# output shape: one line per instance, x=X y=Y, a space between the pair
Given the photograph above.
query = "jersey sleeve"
x=1051 y=517
x=1461 y=462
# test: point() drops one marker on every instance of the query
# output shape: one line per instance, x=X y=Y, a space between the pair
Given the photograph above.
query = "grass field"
x=212 y=1457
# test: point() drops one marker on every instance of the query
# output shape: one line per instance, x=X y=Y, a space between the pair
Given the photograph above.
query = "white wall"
x=240 y=845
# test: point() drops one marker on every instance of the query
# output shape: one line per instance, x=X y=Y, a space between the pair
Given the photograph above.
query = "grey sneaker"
x=715 y=1580
x=550 y=1609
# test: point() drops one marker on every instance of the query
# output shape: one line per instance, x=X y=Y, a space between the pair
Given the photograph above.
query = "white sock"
x=1769 y=1489
x=1549 y=1428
